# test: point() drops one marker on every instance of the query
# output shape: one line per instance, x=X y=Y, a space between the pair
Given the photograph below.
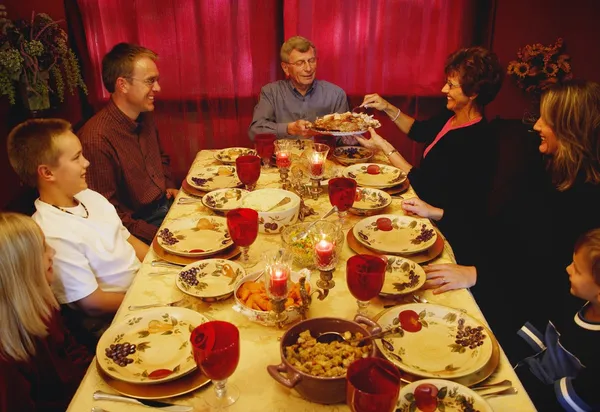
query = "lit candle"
x=278 y=281
x=324 y=251
x=283 y=160
x=316 y=165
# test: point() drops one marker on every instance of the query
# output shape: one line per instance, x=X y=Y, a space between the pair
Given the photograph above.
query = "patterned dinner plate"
x=228 y=156
x=193 y=237
x=214 y=177
x=402 y=276
x=437 y=341
x=223 y=200
x=349 y=155
x=395 y=234
x=209 y=278
x=375 y=175
x=162 y=350
x=444 y=395
x=369 y=201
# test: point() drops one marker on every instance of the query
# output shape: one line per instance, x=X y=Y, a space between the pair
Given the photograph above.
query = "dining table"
x=259 y=344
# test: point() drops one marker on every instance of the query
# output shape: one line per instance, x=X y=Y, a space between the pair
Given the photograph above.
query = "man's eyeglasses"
x=300 y=63
x=148 y=82
x=452 y=85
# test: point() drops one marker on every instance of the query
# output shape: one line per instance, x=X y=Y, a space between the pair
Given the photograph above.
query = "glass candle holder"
x=283 y=159
x=328 y=239
x=278 y=270
x=316 y=155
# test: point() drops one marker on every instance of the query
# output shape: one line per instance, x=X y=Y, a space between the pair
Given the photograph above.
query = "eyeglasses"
x=300 y=63
x=148 y=82
x=452 y=85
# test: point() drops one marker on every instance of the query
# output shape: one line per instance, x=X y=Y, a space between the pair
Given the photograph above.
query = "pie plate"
x=209 y=278
x=163 y=351
x=375 y=175
x=402 y=276
x=437 y=341
x=193 y=237
x=395 y=234
x=228 y=156
x=214 y=177
x=451 y=396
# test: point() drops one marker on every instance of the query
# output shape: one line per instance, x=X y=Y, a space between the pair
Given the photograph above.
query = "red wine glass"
x=263 y=143
x=342 y=192
x=372 y=385
x=248 y=170
x=216 y=348
x=243 y=229
x=365 y=275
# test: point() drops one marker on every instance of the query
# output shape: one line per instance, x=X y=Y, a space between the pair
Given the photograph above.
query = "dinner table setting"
x=287 y=277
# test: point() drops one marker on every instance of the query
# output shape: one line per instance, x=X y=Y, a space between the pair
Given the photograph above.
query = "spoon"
x=327 y=337
x=282 y=202
x=305 y=233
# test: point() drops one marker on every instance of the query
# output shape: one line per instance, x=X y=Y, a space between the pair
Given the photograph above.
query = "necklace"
x=87 y=213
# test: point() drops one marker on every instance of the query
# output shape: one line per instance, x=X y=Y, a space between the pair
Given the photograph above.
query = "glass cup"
x=372 y=385
x=248 y=170
x=342 y=192
x=216 y=349
x=365 y=275
x=263 y=143
x=327 y=139
x=243 y=229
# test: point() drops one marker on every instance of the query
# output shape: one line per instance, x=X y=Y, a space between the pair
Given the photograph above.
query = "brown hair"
x=302 y=44
x=119 y=62
x=591 y=241
x=479 y=71
x=572 y=111
x=31 y=144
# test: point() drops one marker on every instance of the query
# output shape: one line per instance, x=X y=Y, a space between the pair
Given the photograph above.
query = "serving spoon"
x=328 y=337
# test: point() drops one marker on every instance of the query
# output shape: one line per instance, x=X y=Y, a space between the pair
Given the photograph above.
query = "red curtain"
x=215 y=55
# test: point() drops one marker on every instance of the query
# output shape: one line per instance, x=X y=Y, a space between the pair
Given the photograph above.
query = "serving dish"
x=271 y=217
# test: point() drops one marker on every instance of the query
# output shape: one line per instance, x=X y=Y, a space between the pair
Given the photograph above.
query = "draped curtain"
x=215 y=55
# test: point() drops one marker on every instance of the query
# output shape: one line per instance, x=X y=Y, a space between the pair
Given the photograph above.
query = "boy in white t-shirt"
x=96 y=257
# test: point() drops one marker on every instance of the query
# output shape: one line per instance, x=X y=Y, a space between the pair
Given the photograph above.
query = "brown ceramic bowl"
x=314 y=388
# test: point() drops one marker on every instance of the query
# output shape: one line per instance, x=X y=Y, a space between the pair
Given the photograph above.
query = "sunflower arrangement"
x=538 y=67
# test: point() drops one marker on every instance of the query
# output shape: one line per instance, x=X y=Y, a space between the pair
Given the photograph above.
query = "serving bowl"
x=273 y=218
x=315 y=388
x=262 y=316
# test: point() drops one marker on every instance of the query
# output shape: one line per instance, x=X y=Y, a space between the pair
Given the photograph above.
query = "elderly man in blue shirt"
x=287 y=107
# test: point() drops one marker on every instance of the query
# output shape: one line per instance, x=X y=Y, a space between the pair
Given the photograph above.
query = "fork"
x=508 y=391
x=157 y=305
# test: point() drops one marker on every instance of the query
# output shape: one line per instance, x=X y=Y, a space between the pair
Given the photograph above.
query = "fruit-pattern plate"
x=154 y=345
x=213 y=177
x=192 y=237
x=395 y=234
x=209 y=278
x=436 y=342
x=349 y=155
x=228 y=156
x=223 y=200
x=402 y=276
x=369 y=201
x=429 y=395
x=375 y=175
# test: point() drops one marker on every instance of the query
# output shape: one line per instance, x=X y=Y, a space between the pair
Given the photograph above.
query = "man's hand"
x=448 y=276
x=171 y=193
x=300 y=128
x=415 y=206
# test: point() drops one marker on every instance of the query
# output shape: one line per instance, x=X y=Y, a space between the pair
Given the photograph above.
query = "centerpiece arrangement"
x=36 y=62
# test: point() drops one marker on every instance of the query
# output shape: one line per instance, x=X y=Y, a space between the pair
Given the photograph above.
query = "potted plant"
x=36 y=61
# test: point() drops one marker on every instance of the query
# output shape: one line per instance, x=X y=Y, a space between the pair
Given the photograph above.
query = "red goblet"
x=342 y=192
x=263 y=143
x=216 y=348
x=365 y=275
x=243 y=229
x=372 y=385
x=248 y=170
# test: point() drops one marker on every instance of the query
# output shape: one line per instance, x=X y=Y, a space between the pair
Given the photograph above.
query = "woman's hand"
x=417 y=207
x=375 y=101
x=449 y=276
x=375 y=142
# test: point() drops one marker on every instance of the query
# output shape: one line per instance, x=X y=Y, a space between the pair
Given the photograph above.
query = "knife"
x=163 y=406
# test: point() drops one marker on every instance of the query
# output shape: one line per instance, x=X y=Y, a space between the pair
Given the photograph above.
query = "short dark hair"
x=119 y=62
x=31 y=144
x=591 y=241
x=479 y=71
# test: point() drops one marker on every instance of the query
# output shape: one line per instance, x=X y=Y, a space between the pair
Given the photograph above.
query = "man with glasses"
x=287 y=107
x=127 y=163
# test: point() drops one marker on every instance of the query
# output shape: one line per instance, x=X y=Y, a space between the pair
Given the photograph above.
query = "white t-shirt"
x=91 y=252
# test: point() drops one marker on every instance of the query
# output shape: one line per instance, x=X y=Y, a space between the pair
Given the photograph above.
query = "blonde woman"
x=40 y=364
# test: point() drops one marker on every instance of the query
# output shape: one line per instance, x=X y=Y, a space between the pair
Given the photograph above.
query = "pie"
x=345 y=122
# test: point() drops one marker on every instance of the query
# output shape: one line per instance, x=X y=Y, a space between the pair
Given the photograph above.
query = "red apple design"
x=384 y=224
x=409 y=321
x=426 y=397
x=373 y=170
